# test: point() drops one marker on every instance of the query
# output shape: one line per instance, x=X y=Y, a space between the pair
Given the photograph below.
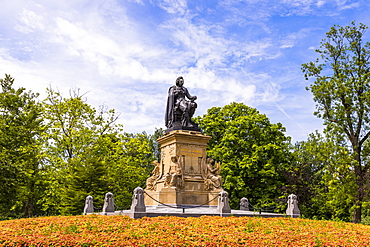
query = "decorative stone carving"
x=138 y=204
x=293 y=209
x=244 y=204
x=171 y=149
x=174 y=176
x=223 y=206
x=212 y=178
x=156 y=173
x=89 y=205
x=108 y=203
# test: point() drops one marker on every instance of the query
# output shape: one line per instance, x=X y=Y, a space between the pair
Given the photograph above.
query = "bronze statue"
x=180 y=110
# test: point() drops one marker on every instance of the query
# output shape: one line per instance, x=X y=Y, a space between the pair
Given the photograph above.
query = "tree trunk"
x=357 y=212
x=360 y=186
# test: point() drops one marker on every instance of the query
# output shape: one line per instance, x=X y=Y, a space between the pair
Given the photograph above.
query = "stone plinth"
x=184 y=176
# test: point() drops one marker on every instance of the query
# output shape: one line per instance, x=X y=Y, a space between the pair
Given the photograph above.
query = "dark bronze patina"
x=180 y=108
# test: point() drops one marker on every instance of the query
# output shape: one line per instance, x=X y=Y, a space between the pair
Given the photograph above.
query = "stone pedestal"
x=183 y=176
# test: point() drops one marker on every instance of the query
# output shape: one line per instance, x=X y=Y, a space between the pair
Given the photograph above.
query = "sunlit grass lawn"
x=94 y=230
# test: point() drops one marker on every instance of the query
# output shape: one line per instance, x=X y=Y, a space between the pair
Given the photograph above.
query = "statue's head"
x=179 y=81
x=174 y=159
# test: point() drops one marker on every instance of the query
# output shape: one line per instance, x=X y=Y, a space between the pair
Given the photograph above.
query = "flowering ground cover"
x=96 y=230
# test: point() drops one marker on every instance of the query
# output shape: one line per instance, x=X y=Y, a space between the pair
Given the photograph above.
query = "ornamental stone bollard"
x=108 y=206
x=223 y=206
x=138 y=204
x=244 y=204
x=89 y=205
x=293 y=210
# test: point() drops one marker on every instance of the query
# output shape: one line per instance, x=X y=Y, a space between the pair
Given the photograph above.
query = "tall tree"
x=77 y=151
x=341 y=90
x=20 y=153
x=253 y=153
x=87 y=153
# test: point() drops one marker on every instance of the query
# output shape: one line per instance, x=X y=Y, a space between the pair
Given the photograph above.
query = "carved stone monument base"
x=183 y=176
x=178 y=197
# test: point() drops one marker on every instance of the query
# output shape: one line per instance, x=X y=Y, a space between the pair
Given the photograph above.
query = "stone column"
x=89 y=205
x=292 y=209
x=223 y=206
x=244 y=204
x=138 y=200
x=108 y=206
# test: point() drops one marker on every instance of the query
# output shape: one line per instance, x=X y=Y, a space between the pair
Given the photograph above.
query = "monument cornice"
x=184 y=136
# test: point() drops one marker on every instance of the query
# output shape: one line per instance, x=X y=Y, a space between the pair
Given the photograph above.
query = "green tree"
x=253 y=153
x=154 y=145
x=77 y=151
x=341 y=91
x=131 y=166
x=321 y=179
x=20 y=153
x=88 y=153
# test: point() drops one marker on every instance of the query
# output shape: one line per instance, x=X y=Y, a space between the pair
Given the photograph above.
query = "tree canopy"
x=341 y=90
x=321 y=179
x=56 y=152
x=253 y=152
x=20 y=150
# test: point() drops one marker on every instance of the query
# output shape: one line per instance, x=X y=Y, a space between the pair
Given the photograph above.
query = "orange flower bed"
x=96 y=230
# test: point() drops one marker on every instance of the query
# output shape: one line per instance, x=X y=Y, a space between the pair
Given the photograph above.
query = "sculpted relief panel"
x=192 y=154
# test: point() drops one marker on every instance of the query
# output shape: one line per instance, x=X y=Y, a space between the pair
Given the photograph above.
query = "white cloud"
x=264 y=9
x=173 y=6
x=290 y=40
x=29 y=22
x=349 y=6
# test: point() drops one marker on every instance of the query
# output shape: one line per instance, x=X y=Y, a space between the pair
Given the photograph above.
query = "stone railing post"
x=89 y=205
x=244 y=204
x=108 y=206
x=138 y=204
x=223 y=206
x=292 y=209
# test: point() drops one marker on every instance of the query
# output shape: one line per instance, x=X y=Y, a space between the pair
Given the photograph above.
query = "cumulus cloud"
x=127 y=53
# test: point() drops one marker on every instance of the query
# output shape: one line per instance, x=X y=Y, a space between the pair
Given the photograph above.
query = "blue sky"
x=127 y=53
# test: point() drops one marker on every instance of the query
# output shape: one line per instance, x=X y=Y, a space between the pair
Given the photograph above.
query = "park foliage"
x=56 y=151
x=254 y=153
x=96 y=230
x=341 y=90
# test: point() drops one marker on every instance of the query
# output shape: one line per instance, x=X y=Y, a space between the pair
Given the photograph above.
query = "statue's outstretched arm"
x=187 y=94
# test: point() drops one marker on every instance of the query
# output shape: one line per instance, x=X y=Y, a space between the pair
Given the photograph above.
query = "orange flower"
x=96 y=230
